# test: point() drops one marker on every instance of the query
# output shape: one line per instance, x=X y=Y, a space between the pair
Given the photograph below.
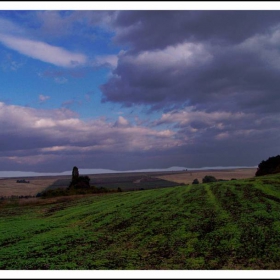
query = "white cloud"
x=121 y=122
x=266 y=46
x=192 y=124
x=60 y=130
x=184 y=55
x=189 y=114
x=43 y=51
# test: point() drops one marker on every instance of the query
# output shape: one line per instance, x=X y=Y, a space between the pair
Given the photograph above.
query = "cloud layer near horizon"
x=31 y=136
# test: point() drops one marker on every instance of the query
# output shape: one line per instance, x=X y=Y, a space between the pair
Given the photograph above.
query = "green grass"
x=221 y=225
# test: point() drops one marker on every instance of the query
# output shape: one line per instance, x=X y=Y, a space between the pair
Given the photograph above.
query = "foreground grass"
x=225 y=225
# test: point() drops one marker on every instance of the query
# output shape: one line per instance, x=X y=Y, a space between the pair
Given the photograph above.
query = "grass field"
x=224 y=225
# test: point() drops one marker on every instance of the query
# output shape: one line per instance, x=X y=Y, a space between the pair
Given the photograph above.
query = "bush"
x=209 y=179
x=195 y=182
x=269 y=166
x=80 y=182
x=75 y=190
x=53 y=193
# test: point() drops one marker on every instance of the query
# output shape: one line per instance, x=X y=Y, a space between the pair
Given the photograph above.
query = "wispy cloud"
x=43 y=51
x=110 y=61
x=11 y=64
x=43 y=98
x=60 y=80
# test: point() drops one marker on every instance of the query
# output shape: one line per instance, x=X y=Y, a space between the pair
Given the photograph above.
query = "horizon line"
x=96 y=171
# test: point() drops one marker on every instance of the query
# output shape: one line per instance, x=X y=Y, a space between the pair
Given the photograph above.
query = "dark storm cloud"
x=214 y=74
x=146 y=30
x=210 y=59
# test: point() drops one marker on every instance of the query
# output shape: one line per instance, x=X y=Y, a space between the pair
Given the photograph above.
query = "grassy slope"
x=225 y=225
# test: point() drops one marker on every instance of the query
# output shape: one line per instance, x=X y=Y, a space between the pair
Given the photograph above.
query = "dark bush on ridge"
x=269 y=166
x=195 y=182
x=73 y=191
x=209 y=179
x=80 y=182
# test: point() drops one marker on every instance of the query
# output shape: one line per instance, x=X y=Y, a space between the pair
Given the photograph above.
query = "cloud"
x=157 y=29
x=180 y=56
x=48 y=140
x=11 y=64
x=8 y=27
x=43 y=98
x=70 y=103
x=28 y=134
x=60 y=80
x=121 y=122
x=221 y=69
x=51 y=20
x=109 y=61
x=43 y=51
x=212 y=76
x=62 y=76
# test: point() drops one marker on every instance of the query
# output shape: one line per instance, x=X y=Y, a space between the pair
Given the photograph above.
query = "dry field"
x=9 y=186
x=188 y=176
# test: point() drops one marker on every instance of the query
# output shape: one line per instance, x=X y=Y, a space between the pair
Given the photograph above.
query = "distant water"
x=11 y=174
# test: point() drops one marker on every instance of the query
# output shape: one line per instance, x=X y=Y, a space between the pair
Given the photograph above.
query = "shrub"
x=195 y=182
x=209 y=179
x=269 y=166
x=53 y=193
x=80 y=182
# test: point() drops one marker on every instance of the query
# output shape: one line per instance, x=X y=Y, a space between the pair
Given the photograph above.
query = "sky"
x=138 y=89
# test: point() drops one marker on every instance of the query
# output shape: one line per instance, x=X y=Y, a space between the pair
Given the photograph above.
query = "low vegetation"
x=195 y=182
x=78 y=185
x=73 y=191
x=217 y=225
x=209 y=179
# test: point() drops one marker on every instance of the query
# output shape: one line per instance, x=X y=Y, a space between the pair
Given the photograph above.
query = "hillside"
x=224 y=225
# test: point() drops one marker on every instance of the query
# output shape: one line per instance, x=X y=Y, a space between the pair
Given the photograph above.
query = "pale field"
x=188 y=176
x=9 y=186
